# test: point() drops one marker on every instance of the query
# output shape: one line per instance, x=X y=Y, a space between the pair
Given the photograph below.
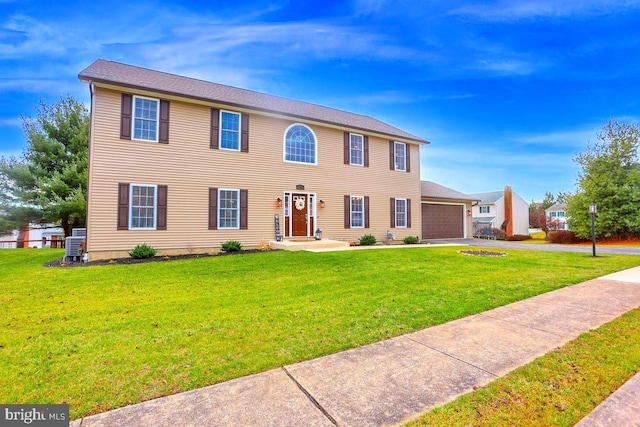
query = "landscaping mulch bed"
x=115 y=261
x=482 y=253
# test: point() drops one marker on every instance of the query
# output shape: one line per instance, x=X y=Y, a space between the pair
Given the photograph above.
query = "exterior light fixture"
x=321 y=203
x=278 y=202
x=318 y=234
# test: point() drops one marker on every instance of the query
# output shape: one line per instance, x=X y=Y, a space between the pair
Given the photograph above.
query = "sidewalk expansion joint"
x=453 y=357
x=311 y=398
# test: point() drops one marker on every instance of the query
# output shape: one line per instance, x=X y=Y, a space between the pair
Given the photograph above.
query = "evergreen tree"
x=49 y=182
x=610 y=178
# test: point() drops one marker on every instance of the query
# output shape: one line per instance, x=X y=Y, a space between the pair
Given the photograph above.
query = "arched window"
x=300 y=145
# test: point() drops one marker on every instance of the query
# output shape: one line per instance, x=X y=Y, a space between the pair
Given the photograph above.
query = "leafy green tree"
x=538 y=216
x=48 y=183
x=548 y=201
x=610 y=178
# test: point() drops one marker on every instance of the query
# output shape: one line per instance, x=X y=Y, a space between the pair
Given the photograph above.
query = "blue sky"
x=506 y=91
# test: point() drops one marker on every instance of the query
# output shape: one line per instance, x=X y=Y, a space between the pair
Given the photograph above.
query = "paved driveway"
x=550 y=247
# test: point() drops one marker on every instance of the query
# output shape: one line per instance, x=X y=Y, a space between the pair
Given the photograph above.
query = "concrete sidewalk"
x=395 y=380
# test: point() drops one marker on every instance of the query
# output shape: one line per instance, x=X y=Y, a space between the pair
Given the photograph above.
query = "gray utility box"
x=73 y=251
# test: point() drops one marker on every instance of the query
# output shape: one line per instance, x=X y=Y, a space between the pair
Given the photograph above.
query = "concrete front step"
x=304 y=245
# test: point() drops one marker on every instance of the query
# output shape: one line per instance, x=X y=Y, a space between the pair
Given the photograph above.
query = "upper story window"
x=145 y=118
x=356 y=149
x=142 y=207
x=485 y=209
x=229 y=130
x=300 y=145
x=400 y=156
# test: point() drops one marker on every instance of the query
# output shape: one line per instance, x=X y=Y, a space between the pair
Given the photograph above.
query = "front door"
x=299 y=214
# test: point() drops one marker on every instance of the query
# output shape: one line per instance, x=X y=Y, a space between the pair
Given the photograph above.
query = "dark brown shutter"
x=347 y=211
x=366 y=211
x=125 y=116
x=215 y=128
x=347 y=149
x=244 y=137
x=164 y=122
x=408 y=213
x=161 y=223
x=244 y=201
x=366 y=151
x=392 y=163
x=213 y=208
x=123 y=206
x=393 y=212
x=407 y=160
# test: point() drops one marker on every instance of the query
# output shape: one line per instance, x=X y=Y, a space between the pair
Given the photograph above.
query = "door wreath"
x=300 y=204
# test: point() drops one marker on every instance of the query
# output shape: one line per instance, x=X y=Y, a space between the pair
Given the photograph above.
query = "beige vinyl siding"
x=189 y=168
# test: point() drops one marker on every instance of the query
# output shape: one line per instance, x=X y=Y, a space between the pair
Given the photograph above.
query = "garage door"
x=442 y=221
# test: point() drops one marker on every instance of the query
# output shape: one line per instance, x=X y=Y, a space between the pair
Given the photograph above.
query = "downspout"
x=86 y=223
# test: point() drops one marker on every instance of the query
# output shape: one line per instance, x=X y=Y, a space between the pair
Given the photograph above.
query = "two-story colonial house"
x=557 y=217
x=184 y=165
x=500 y=209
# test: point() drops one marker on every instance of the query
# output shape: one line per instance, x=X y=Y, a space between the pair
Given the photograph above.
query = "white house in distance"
x=35 y=236
x=501 y=209
x=557 y=216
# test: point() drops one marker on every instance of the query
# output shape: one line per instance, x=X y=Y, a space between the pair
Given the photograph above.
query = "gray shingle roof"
x=557 y=207
x=432 y=190
x=488 y=198
x=115 y=73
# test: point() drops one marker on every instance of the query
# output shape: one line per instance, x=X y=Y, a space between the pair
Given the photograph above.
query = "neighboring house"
x=446 y=213
x=184 y=165
x=32 y=237
x=8 y=241
x=500 y=209
x=557 y=217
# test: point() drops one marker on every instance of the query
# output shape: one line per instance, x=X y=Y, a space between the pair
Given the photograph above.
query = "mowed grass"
x=101 y=337
x=557 y=389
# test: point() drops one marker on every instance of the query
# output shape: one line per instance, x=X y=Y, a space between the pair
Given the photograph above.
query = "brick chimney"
x=508 y=210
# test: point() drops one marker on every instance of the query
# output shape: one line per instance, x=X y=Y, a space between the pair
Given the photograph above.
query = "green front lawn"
x=104 y=336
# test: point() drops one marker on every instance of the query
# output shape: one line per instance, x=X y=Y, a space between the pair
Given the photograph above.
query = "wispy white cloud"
x=506 y=66
x=472 y=171
x=394 y=97
x=513 y=10
x=38 y=86
x=10 y=153
x=15 y=122
x=370 y=7
x=567 y=139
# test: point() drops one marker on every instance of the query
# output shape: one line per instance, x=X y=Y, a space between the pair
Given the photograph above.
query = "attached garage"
x=446 y=213
x=440 y=221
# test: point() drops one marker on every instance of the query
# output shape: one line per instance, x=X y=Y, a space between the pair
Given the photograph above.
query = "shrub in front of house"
x=563 y=236
x=499 y=233
x=231 y=246
x=368 y=240
x=519 y=238
x=143 y=251
x=411 y=240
